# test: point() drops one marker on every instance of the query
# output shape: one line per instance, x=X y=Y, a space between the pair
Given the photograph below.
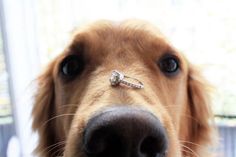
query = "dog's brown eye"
x=71 y=66
x=169 y=64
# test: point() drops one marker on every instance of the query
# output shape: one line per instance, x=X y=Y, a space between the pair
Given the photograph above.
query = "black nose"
x=125 y=132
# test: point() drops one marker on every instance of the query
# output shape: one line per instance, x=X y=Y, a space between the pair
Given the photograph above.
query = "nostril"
x=153 y=146
x=103 y=142
x=95 y=143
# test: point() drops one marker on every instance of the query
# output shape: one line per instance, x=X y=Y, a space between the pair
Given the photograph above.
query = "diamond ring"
x=119 y=78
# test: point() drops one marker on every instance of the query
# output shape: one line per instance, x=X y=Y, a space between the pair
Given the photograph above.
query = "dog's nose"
x=125 y=132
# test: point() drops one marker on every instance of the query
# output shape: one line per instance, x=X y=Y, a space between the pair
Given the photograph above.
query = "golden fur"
x=62 y=109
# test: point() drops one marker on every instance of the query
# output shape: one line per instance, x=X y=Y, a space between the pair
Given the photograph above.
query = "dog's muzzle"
x=125 y=132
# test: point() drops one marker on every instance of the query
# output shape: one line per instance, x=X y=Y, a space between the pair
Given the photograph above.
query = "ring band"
x=119 y=78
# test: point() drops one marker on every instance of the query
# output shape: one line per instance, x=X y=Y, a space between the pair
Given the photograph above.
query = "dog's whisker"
x=63 y=107
x=190 y=117
x=59 y=152
x=52 y=146
x=192 y=143
x=68 y=105
x=187 y=151
x=60 y=146
x=203 y=148
x=58 y=116
x=191 y=150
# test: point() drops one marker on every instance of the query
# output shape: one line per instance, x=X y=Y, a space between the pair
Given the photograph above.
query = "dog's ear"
x=43 y=111
x=201 y=121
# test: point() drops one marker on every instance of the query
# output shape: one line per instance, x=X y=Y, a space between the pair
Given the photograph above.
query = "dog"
x=122 y=90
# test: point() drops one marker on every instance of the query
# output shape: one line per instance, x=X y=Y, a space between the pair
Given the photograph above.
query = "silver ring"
x=119 y=78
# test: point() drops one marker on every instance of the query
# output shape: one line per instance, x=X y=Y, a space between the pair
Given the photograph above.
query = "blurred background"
x=32 y=32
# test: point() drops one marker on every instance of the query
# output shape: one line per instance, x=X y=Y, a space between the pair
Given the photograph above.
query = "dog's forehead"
x=107 y=26
x=125 y=43
x=107 y=35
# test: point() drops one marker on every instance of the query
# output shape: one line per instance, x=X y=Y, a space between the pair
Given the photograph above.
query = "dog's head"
x=77 y=112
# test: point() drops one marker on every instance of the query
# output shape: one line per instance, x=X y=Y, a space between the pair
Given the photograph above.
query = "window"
x=5 y=107
x=7 y=129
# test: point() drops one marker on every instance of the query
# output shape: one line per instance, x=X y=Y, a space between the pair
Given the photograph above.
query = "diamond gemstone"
x=115 y=78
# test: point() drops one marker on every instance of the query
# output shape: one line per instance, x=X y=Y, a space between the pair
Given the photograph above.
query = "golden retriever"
x=79 y=113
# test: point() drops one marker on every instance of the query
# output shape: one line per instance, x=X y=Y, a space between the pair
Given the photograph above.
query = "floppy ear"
x=201 y=122
x=43 y=110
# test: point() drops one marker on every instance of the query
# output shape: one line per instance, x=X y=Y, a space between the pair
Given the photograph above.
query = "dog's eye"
x=169 y=64
x=71 y=66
